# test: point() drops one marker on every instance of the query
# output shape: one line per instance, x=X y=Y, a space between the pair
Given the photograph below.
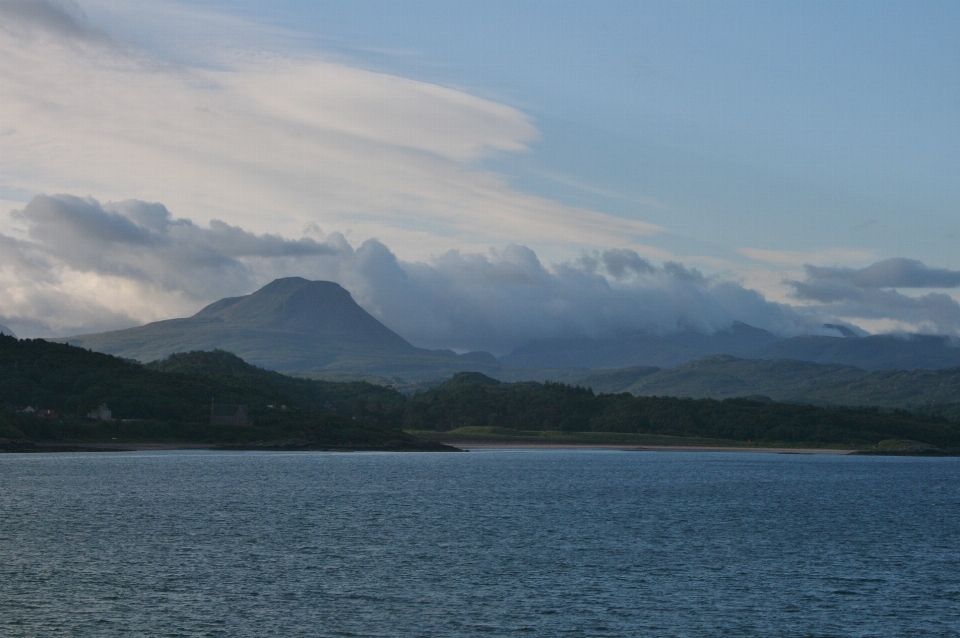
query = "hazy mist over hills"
x=297 y=325
x=641 y=349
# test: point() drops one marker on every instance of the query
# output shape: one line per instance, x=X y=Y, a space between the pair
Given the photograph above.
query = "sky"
x=478 y=174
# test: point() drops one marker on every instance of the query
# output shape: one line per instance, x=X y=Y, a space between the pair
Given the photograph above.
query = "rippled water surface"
x=549 y=543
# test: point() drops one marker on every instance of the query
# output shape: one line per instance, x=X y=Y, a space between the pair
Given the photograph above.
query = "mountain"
x=640 y=349
x=470 y=402
x=876 y=352
x=6 y=331
x=722 y=377
x=291 y=324
x=315 y=328
x=170 y=401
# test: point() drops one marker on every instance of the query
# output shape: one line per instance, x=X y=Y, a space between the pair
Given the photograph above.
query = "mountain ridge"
x=640 y=348
x=315 y=327
x=789 y=380
x=872 y=352
x=291 y=324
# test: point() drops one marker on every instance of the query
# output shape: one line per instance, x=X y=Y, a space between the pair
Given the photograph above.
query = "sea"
x=484 y=543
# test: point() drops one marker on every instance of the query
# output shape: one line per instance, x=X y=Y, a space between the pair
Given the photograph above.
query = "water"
x=548 y=543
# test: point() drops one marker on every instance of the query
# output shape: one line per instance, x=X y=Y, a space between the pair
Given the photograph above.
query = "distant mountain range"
x=724 y=377
x=170 y=401
x=6 y=331
x=876 y=352
x=316 y=329
x=640 y=349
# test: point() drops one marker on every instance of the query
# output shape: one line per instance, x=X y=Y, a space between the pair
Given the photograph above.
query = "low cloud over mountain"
x=869 y=293
x=83 y=266
x=890 y=273
x=143 y=242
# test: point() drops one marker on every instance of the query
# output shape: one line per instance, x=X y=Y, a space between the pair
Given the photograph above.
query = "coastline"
x=510 y=445
x=9 y=446
x=449 y=445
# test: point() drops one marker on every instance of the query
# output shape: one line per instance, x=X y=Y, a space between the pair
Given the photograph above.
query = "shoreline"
x=28 y=447
x=22 y=446
x=510 y=445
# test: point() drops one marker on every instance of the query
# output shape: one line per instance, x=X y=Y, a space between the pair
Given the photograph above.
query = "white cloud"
x=272 y=146
x=869 y=295
x=84 y=266
x=271 y=143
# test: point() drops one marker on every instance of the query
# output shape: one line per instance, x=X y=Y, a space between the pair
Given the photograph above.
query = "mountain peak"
x=291 y=324
x=298 y=305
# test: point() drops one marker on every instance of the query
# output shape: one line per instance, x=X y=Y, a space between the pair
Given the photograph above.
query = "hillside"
x=722 y=377
x=317 y=330
x=291 y=324
x=471 y=400
x=168 y=401
x=174 y=405
x=639 y=349
x=876 y=352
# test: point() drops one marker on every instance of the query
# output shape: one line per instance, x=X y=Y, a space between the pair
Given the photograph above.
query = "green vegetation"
x=721 y=377
x=169 y=401
x=492 y=434
x=473 y=400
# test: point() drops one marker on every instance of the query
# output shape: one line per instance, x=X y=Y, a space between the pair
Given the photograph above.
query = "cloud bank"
x=84 y=266
x=870 y=294
x=890 y=273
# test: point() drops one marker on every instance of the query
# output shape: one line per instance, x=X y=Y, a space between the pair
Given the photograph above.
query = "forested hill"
x=72 y=380
x=472 y=400
x=174 y=404
x=170 y=400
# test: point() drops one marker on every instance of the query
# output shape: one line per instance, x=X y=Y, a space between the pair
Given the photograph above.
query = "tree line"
x=173 y=396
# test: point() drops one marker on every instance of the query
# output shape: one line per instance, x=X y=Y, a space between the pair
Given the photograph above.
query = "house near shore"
x=229 y=414
x=102 y=413
x=43 y=414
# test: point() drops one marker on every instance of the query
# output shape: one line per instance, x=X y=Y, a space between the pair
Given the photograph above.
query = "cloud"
x=503 y=298
x=866 y=294
x=890 y=273
x=64 y=18
x=143 y=242
x=799 y=258
x=271 y=142
x=86 y=266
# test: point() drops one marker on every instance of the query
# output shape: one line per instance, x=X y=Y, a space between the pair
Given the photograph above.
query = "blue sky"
x=747 y=140
x=785 y=126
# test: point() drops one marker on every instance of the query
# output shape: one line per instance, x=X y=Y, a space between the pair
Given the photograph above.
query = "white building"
x=103 y=413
